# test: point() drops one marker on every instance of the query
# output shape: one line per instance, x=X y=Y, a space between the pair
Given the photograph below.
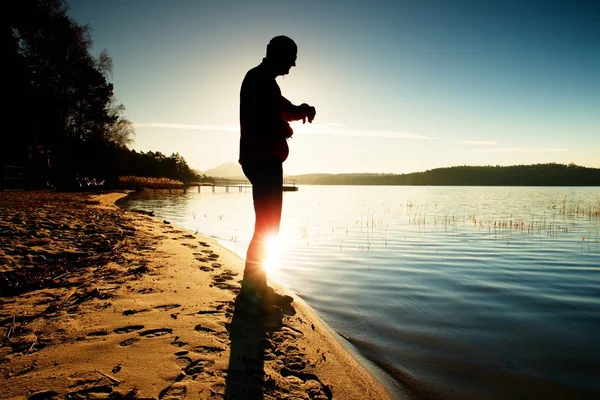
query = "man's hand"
x=308 y=112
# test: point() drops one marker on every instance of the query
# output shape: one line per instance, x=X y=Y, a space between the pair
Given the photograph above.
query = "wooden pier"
x=240 y=184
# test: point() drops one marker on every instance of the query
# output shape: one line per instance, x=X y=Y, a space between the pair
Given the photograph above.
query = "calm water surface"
x=454 y=292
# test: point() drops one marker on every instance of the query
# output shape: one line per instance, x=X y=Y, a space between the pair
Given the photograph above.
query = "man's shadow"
x=251 y=345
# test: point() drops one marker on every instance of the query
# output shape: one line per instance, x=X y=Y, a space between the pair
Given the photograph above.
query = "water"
x=455 y=292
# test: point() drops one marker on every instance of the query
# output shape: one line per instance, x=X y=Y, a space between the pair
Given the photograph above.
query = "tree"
x=62 y=95
x=64 y=119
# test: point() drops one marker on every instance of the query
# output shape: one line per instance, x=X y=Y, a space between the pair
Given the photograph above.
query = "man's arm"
x=291 y=112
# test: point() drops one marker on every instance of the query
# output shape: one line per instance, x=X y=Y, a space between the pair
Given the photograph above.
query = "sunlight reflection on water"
x=459 y=292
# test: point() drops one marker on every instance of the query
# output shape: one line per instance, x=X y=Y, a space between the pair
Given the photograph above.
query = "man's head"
x=281 y=54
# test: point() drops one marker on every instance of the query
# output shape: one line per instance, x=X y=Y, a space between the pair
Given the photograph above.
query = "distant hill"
x=227 y=170
x=516 y=175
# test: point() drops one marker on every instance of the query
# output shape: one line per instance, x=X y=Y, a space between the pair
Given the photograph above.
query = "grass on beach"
x=139 y=182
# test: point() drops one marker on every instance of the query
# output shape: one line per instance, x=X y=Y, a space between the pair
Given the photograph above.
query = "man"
x=264 y=117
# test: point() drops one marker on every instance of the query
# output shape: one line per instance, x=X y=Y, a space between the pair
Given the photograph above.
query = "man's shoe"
x=271 y=297
x=251 y=303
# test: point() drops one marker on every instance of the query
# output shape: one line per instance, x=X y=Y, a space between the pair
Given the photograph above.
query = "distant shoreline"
x=535 y=175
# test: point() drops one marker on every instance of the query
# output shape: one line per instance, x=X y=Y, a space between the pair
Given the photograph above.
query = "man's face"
x=287 y=63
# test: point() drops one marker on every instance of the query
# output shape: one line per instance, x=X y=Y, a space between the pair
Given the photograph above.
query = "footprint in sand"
x=204 y=244
x=152 y=333
x=183 y=361
x=97 y=333
x=178 y=343
x=223 y=281
x=286 y=334
x=200 y=328
x=207 y=350
x=200 y=257
x=206 y=312
x=228 y=305
x=294 y=362
x=168 y=306
x=206 y=269
x=311 y=382
x=226 y=275
x=131 y=312
x=197 y=367
x=216 y=265
x=173 y=392
x=128 y=329
x=129 y=342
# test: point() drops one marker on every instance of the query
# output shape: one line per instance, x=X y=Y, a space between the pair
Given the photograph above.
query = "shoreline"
x=384 y=374
x=158 y=321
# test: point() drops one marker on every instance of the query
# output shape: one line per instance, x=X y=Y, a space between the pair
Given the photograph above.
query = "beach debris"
x=142 y=269
x=148 y=213
x=43 y=395
x=110 y=378
x=32 y=345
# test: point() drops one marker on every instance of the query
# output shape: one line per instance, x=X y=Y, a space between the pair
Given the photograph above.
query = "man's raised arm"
x=291 y=112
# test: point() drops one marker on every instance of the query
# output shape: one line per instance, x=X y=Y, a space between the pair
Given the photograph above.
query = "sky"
x=399 y=86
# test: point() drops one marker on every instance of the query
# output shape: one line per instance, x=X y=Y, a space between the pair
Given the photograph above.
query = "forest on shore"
x=62 y=119
x=517 y=175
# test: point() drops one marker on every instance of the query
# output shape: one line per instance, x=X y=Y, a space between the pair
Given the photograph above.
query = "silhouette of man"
x=264 y=117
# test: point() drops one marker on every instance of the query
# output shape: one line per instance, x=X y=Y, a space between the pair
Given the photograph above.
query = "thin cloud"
x=193 y=127
x=521 y=150
x=382 y=134
x=477 y=142
x=335 y=124
x=334 y=129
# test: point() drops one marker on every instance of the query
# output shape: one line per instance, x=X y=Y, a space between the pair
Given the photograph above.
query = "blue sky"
x=399 y=86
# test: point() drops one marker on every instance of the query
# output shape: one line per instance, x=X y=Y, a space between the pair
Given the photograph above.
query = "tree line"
x=62 y=119
x=551 y=174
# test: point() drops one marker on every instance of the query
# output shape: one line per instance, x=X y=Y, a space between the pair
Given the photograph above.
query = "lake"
x=453 y=292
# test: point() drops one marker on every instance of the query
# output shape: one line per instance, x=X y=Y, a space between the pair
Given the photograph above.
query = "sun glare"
x=273 y=255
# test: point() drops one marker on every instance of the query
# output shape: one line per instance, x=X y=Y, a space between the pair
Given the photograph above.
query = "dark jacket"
x=264 y=116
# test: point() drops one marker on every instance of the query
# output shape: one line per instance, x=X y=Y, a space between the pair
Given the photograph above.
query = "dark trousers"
x=267 y=193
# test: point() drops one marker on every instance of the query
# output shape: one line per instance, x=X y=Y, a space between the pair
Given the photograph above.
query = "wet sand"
x=102 y=303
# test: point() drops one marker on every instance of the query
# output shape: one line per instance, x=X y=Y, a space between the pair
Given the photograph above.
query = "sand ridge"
x=153 y=318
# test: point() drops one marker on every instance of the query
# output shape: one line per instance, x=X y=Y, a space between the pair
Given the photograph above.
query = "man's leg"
x=267 y=207
x=267 y=184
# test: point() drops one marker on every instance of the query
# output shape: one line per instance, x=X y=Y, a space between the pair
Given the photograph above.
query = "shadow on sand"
x=251 y=345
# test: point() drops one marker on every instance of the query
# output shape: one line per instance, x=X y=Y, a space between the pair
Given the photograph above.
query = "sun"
x=273 y=255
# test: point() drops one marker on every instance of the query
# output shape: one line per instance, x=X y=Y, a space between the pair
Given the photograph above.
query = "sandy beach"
x=102 y=303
